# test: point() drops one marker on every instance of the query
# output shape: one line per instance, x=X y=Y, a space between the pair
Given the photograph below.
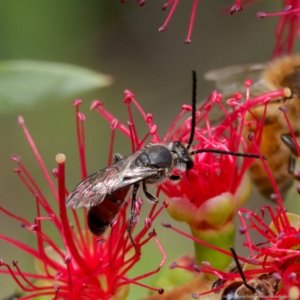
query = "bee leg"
x=133 y=215
x=175 y=177
x=288 y=141
x=148 y=195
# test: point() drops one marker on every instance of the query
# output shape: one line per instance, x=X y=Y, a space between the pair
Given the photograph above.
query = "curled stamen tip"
x=14 y=262
x=128 y=98
x=248 y=82
x=161 y=291
x=148 y=223
x=142 y=2
x=238 y=96
x=261 y=14
x=187 y=41
x=274 y=196
x=206 y=263
x=164 y=7
x=232 y=9
x=242 y=230
x=283 y=109
x=81 y=116
x=162 y=28
x=253 y=261
x=96 y=104
x=16 y=158
x=165 y=203
x=232 y=102
x=167 y=225
x=153 y=129
x=186 y=107
x=152 y=233
x=20 y=120
x=57 y=288
x=77 y=102
x=149 y=118
x=1 y=261
x=55 y=172
x=173 y=265
x=197 y=268
x=17 y=170
x=68 y=259
x=195 y=295
x=34 y=227
x=287 y=8
x=277 y=276
x=292 y=276
x=60 y=158
x=251 y=136
x=129 y=92
x=287 y=92
x=114 y=124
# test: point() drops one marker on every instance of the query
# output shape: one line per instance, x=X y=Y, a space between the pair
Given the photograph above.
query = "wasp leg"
x=117 y=157
x=288 y=141
x=175 y=177
x=148 y=195
x=133 y=215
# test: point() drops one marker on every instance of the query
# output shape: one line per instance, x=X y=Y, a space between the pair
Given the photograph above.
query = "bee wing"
x=92 y=190
x=230 y=80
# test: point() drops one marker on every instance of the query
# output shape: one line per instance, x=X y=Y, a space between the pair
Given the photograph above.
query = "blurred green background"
x=120 y=40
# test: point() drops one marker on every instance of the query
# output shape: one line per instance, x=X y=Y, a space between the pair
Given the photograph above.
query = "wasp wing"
x=92 y=190
x=230 y=80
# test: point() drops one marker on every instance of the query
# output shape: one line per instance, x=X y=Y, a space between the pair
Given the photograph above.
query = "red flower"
x=86 y=267
x=288 y=27
x=274 y=261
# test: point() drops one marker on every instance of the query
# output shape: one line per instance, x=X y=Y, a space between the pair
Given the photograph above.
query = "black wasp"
x=105 y=191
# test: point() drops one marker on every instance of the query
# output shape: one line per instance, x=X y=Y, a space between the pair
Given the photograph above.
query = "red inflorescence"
x=86 y=267
x=288 y=27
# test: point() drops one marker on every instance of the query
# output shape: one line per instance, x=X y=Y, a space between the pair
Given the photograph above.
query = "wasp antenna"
x=227 y=152
x=194 y=96
x=251 y=288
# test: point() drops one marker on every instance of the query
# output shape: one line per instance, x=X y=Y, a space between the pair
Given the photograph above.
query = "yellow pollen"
x=60 y=158
x=294 y=292
x=287 y=92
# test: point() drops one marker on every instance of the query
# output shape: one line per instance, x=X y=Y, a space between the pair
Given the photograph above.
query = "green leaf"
x=25 y=82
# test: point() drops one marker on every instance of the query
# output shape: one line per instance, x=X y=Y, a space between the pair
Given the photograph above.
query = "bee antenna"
x=235 y=257
x=194 y=95
x=227 y=152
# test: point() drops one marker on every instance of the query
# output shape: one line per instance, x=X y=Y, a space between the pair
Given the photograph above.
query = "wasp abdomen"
x=100 y=216
x=96 y=225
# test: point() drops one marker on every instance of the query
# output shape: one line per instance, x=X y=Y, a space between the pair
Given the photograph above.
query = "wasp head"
x=182 y=158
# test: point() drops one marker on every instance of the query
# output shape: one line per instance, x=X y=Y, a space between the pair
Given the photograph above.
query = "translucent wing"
x=92 y=190
x=230 y=80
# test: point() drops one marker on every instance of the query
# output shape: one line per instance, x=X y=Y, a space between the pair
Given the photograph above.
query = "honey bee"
x=277 y=143
x=104 y=192
x=262 y=287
